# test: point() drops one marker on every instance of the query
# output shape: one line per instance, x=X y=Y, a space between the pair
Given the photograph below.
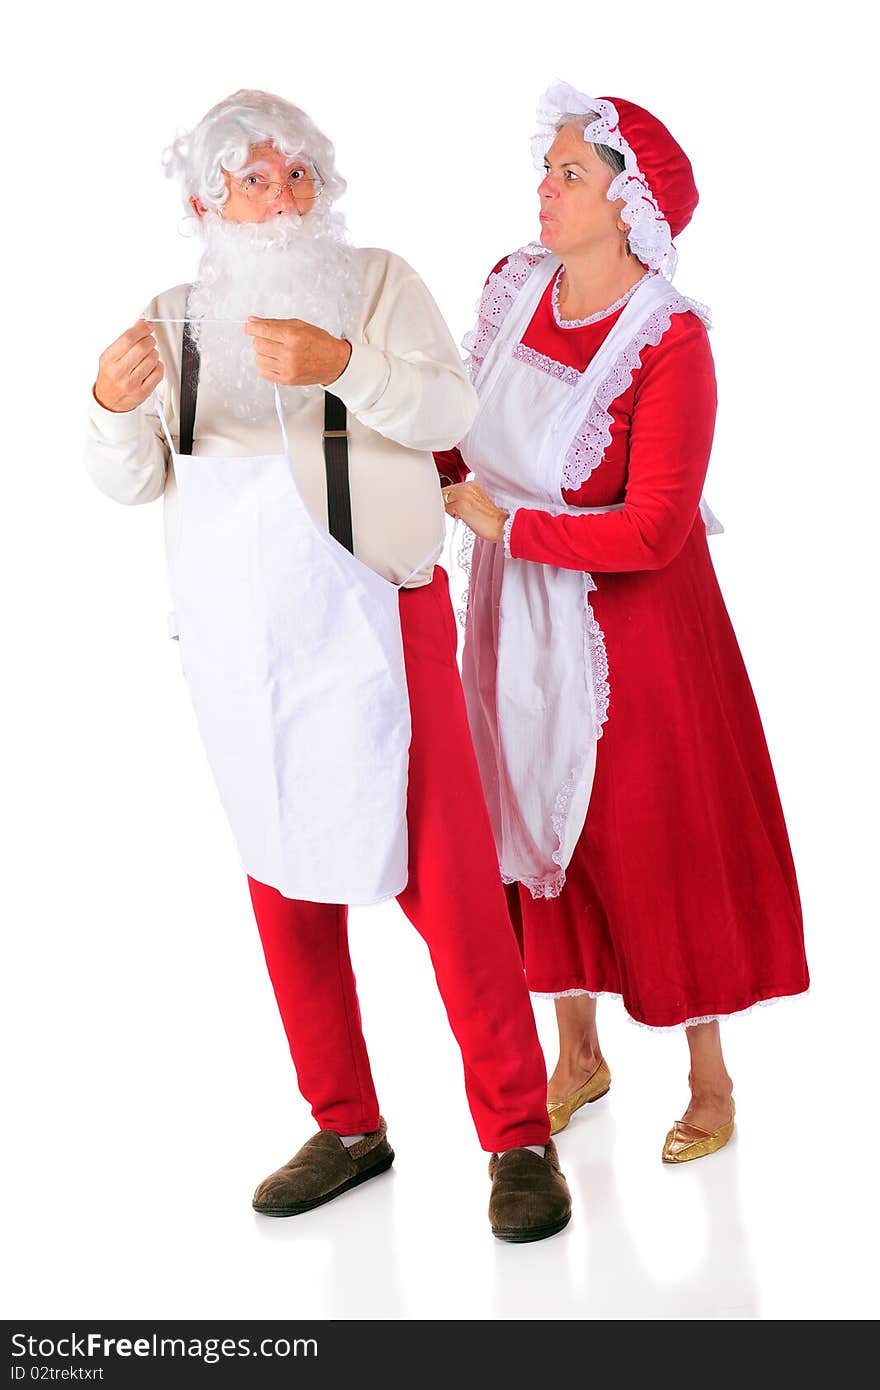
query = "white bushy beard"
x=284 y=268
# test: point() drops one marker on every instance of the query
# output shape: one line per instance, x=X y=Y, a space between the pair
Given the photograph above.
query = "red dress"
x=681 y=895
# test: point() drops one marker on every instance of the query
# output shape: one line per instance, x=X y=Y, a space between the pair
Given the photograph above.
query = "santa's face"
x=270 y=184
x=575 y=210
x=276 y=249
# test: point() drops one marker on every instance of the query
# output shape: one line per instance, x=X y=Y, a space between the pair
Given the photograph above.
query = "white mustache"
x=287 y=267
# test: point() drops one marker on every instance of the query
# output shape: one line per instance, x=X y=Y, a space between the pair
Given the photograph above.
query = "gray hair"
x=613 y=158
x=223 y=137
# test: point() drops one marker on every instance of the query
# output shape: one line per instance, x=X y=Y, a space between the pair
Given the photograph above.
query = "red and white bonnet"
x=657 y=183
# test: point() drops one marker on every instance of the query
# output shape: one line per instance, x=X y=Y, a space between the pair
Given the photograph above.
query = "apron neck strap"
x=279 y=411
x=335 y=416
x=163 y=421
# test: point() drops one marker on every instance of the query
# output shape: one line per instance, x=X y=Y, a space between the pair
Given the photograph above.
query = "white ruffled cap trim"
x=650 y=237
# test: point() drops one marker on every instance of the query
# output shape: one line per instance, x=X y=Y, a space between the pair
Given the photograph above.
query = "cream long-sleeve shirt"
x=406 y=393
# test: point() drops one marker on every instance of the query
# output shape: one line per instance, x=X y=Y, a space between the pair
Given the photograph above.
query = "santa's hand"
x=293 y=353
x=128 y=369
x=475 y=508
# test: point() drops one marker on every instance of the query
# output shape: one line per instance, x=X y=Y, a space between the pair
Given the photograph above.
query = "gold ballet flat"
x=561 y=1111
x=684 y=1141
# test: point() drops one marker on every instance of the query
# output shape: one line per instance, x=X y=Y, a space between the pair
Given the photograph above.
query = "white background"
x=149 y=1086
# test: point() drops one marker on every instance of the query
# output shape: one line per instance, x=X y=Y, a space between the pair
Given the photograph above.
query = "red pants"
x=453 y=898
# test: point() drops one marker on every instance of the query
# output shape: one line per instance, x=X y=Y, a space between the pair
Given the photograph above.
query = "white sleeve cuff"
x=364 y=379
x=116 y=426
x=507 y=529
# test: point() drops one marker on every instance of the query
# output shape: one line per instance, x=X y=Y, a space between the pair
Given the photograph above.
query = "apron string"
x=164 y=423
x=433 y=554
x=195 y=320
x=167 y=432
x=279 y=411
x=432 y=557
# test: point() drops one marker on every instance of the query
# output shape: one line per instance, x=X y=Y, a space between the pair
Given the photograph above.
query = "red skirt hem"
x=770 y=995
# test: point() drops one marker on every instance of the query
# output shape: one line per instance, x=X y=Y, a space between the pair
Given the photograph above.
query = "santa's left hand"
x=476 y=509
x=294 y=353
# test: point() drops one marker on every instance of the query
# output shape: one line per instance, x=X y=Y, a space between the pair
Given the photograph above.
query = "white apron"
x=534 y=665
x=293 y=654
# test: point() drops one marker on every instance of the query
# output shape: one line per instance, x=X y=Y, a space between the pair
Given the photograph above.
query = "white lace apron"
x=293 y=655
x=534 y=664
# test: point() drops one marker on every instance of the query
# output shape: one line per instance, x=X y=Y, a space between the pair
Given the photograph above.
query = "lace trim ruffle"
x=597 y=664
x=464 y=555
x=570 y=375
x=558 y=821
x=498 y=295
x=650 y=237
x=667 y=1027
x=508 y=527
x=575 y=994
x=600 y=314
x=540 y=887
x=587 y=449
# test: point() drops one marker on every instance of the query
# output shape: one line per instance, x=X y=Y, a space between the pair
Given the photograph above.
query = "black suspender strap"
x=335 y=440
x=336 y=465
x=189 y=389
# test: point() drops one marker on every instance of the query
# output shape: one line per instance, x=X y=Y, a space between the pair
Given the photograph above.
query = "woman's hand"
x=476 y=509
x=295 y=353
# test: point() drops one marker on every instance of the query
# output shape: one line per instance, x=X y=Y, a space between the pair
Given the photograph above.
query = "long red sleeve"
x=673 y=421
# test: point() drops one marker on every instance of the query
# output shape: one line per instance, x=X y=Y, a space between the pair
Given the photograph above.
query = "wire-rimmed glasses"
x=304 y=186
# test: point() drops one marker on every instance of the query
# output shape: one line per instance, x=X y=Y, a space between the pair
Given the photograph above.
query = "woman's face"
x=575 y=211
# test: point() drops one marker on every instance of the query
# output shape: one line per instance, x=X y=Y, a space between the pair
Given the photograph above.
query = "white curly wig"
x=224 y=135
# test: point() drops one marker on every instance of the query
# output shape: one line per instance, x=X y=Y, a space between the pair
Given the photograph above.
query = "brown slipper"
x=530 y=1198
x=323 y=1169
